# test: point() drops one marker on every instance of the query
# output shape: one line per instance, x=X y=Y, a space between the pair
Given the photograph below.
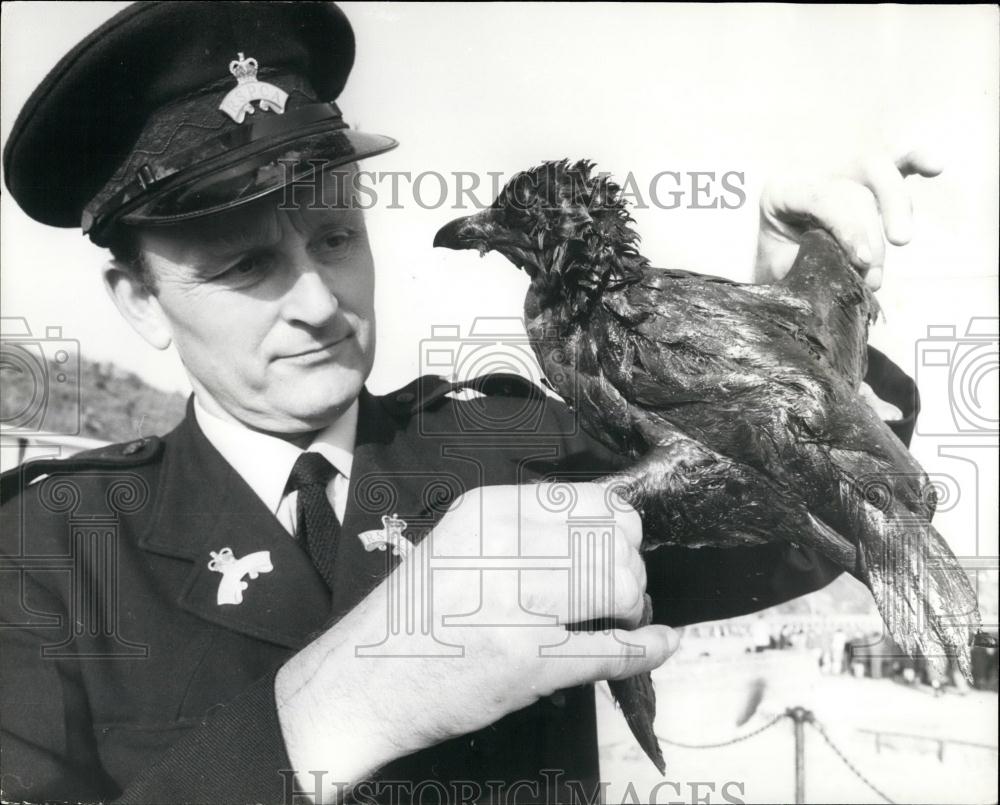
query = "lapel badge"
x=391 y=534
x=239 y=102
x=233 y=570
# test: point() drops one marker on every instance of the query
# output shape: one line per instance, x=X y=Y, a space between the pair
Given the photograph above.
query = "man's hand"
x=350 y=715
x=855 y=206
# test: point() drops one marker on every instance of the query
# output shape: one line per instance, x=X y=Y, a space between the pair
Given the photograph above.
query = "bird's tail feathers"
x=922 y=592
x=637 y=700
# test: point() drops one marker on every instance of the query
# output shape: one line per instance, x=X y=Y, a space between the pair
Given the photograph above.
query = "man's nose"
x=310 y=300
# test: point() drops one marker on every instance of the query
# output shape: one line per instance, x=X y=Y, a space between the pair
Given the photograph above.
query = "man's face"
x=270 y=309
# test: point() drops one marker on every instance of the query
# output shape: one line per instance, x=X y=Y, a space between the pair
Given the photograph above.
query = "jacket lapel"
x=393 y=473
x=197 y=513
x=202 y=506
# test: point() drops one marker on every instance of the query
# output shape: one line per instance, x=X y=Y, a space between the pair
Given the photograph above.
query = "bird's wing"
x=724 y=332
x=742 y=370
x=672 y=338
x=761 y=441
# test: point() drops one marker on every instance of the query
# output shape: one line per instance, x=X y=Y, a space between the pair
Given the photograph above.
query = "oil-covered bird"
x=738 y=404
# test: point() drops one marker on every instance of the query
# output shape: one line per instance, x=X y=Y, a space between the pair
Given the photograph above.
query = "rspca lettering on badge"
x=233 y=570
x=239 y=102
x=389 y=536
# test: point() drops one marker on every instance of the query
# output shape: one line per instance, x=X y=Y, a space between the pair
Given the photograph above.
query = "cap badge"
x=239 y=102
x=233 y=570
x=389 y=536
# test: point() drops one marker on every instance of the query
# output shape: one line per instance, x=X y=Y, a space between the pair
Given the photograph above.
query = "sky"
x=761 y=91
x=756 y=92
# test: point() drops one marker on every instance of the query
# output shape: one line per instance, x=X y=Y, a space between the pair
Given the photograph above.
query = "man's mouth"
x=320 y=352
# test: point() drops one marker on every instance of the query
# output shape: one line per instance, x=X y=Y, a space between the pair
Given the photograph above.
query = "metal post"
x=800 y=716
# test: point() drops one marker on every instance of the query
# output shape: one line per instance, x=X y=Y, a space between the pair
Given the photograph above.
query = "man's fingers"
x=619 y=654
x=919 y=162
x=613 y=504
x=885 y=177
x=885 y=180
x=847 y=210
x=789 y=207
x=630 y=592
x=640 y=650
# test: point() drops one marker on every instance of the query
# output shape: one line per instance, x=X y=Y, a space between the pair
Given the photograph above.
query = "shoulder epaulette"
x=416 y=395
x=126 y=454
x=428 y=390
x=502 y=384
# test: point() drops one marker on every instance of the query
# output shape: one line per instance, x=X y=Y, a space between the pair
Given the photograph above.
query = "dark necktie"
x=318 y=526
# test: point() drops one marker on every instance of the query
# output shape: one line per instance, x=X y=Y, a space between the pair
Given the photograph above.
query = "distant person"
x=760 y=634
x=838 y=643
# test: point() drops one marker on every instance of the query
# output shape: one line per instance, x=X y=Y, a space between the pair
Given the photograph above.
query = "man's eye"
x=246 y=268
x=337 y=242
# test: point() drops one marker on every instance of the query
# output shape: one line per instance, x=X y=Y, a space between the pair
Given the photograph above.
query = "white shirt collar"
x=265 y=462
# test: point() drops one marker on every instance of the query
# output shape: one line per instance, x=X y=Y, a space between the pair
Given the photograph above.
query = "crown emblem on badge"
x=238 y=103
x=243 y=70
x=390 y=535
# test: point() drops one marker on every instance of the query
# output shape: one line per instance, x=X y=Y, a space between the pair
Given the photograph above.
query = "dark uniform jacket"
x=124 y=678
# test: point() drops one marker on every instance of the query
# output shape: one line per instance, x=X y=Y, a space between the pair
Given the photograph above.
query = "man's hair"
x=123 y=243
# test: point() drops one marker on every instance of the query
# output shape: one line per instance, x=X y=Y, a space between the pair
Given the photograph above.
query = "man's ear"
x=136 y=301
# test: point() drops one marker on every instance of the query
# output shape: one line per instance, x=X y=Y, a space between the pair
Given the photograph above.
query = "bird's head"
x=567 y=228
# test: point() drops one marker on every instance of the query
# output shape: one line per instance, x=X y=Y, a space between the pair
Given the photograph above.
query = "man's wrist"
x=331 y=747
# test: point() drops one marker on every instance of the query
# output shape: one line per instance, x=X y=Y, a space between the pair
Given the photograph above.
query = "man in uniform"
x=208 y=616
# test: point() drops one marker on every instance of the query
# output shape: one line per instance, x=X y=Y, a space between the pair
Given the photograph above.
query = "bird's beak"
x=470 y=232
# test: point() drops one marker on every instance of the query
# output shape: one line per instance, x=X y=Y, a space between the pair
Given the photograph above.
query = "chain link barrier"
x=810 y=720
x=854 y=769
x=736 y=740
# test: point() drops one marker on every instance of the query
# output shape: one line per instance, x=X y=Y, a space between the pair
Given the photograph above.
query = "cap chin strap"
x=150 y=178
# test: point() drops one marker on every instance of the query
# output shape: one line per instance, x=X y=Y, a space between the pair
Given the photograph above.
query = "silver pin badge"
x=390 y=535
x=233 y=570
x=239 y=102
